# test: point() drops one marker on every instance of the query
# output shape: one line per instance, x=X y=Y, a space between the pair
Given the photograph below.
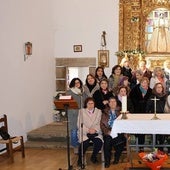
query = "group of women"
x=99 y=101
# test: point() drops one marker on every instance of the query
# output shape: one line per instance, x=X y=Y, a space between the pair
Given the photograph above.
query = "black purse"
x=4 y=134
x=91 y=136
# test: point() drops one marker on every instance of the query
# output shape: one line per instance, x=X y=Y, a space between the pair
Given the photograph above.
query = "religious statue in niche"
x=160 y=40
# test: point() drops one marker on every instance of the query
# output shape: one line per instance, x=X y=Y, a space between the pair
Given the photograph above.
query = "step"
x=55 y=131
x=43 y=144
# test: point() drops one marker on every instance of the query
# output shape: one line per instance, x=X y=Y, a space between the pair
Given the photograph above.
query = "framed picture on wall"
x=77 y=48
x=103 y=58
x=28 y=48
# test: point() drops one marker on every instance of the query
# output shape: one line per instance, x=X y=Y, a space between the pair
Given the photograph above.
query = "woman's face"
x=159 y=89
x=90 y=80
x=90 y=105
x=117 y=71
x=104 y=85
x=77 y=83
x=122 y=92
x=125 y=82
x=138 y=76
x=158 y=73
x=144 y=84
x=100 y=72
x=112 y=103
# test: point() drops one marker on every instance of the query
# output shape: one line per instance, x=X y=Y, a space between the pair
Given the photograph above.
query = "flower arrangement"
x=57 y=114
x=129 y=52
x=154 y=160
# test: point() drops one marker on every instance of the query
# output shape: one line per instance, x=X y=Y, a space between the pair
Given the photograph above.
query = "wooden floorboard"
x=54 y=159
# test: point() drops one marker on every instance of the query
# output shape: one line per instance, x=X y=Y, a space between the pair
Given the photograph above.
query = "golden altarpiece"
x=142 y=34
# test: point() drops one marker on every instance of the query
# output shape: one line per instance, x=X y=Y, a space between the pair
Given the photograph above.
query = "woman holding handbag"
x=89 y=130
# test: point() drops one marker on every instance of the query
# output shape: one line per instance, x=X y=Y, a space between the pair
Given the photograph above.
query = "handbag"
x=91 y=136
x=5 y=135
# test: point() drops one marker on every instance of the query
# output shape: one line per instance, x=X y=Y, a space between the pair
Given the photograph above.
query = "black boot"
x=115 y=162
x=116 y=157
x=79 y=162
x=107 y=164
x=94 y=159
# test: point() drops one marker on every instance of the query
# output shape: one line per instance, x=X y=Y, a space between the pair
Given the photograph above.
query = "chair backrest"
x=3 y=123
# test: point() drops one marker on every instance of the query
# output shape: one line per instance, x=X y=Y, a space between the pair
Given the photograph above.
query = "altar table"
x=142 y=124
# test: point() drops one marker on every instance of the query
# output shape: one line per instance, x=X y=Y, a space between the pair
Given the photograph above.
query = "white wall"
x=82 y=22
x=26 y=88
x=53 y=26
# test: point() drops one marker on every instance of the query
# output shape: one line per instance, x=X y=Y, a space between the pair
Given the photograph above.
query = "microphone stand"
x=81 y=126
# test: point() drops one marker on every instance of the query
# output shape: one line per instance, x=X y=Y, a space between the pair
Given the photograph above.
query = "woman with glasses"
x=89 y=130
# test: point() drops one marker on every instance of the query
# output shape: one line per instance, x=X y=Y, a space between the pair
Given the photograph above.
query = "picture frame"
x=103 y=58
x=77 y=48
x=28 y=48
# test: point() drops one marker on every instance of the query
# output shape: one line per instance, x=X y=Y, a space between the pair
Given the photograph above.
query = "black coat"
x=127 y=72
x=160 y=104
x=99 y=97
x=139 y=102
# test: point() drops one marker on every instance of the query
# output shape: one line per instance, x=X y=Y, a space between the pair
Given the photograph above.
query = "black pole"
x=68 y=138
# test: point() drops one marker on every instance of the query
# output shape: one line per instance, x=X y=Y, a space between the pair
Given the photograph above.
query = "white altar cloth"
x=141 y=124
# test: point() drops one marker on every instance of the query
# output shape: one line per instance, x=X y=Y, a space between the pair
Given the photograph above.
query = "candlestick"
x=155 y=117
x=124 y=103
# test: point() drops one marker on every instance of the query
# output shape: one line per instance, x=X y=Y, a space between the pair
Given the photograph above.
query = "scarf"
x=76 y=90
x=112 y=117
x=142 y=90
x=91 y=87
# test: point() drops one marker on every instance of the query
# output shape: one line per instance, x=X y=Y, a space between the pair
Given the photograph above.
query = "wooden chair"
x=12 y=144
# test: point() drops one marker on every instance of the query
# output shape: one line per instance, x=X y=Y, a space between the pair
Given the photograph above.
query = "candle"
x=124 y=103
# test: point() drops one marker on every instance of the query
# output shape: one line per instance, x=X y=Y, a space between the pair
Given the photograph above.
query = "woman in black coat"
x=139 y=96
x=102 y=95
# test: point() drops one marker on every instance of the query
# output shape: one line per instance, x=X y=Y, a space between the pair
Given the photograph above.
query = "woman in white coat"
x=89 y=130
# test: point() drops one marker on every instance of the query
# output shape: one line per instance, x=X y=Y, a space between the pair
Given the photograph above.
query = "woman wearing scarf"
x=106 y=123
x=76 y=91
x=91 y=85
x=139 y=96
